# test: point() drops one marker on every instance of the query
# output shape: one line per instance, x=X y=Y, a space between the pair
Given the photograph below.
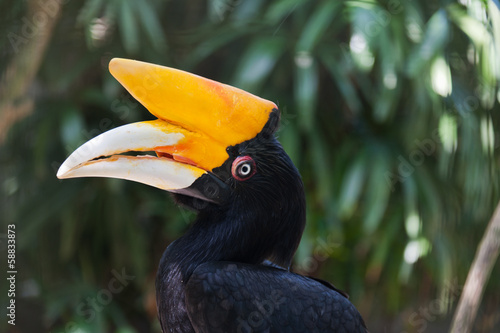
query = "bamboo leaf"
x=289 y=138
x=352 y=185
x=71 y=129
x=476 y=31
x=316 y=26
x=246 y=10
x=149 y=20
x=382 y=251
x=128 y=27
x=378 y=192
x=340 y=75
x=258 y=62
x=322 y=166
x=279 y=11
x=435 y=39
x=306 y=89
x=89 y=11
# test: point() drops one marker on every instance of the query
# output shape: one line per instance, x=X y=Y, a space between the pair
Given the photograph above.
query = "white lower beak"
x=99 y=157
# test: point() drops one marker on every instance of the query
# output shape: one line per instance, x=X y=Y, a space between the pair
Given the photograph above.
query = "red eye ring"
x=243 y=168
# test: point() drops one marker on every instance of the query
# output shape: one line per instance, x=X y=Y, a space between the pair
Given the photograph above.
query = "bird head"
x=213 y=146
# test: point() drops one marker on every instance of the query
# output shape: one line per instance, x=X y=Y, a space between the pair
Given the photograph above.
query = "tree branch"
x=29 y=47
x=486 y=256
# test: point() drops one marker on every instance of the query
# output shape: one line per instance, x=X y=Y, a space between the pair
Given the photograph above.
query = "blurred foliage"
x=388 y=110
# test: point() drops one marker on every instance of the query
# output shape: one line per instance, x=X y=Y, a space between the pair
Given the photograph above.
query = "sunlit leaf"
x=435 y=39
x=89 y=11
x=306 y=85
x=494 y=13
x=476 y=31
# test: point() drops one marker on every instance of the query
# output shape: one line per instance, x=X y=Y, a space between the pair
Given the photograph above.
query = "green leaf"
x=279 y=11
x=89 y=11
x=128 y=27
x=340 y=75
x=377 y=192
x=384 y=106
x=246 y=10
x=435 y=39
x=322 y=167
x=476 y=30
x=306 y=89
x=494 y=12
x=316 y=26
x=258 y=62
x=71 y=128
x=383 y=248
x=410 y=195
x=352 y=185
x=149 y=20
x=206 y=48
x=289 y=138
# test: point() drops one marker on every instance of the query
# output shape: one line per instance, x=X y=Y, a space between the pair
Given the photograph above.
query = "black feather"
x=234 y=297
x=213 y=275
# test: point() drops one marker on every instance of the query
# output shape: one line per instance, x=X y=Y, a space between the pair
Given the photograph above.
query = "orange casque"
x=212 y=114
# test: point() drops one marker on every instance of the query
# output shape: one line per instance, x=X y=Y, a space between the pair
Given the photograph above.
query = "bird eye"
x=243 y=168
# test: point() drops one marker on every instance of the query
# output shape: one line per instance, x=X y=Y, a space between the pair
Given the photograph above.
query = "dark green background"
x=390 y=110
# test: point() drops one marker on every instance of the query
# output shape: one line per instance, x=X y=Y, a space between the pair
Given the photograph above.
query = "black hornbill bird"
x=217 y=153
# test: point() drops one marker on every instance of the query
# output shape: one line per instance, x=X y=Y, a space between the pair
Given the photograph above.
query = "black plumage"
x=234 y=297
x=213 y=279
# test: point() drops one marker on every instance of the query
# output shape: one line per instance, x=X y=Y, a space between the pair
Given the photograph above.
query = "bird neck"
x=211 y=238
x=214 y=236
x=237 y=232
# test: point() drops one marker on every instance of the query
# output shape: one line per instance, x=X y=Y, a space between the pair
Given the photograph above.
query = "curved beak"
x=198 y=119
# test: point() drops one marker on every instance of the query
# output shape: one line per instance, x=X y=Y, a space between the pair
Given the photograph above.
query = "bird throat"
x=214 y=236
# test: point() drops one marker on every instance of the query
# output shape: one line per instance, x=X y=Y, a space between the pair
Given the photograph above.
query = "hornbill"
x=217 y=154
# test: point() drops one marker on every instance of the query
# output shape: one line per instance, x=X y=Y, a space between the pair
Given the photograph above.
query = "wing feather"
x=235 y=297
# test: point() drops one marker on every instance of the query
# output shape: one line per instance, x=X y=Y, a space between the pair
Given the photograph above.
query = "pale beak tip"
x=62 y=173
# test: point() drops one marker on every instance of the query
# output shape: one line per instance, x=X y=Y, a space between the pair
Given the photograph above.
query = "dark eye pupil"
x=245 y=169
